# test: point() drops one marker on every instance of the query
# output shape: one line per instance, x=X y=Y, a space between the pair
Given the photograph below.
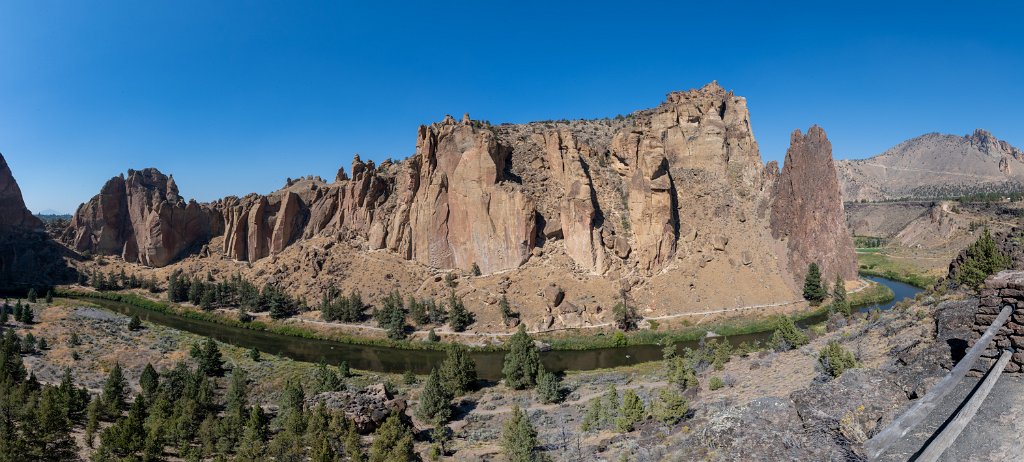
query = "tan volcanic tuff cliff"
x=808 y=208
x=932 y=166
x=28 y=258
x=671 y=205
x=142 y=219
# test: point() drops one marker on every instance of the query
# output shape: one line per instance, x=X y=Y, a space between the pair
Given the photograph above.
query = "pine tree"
x=134 y=323
x=813 y=289
x=49 y=297
x=343 y=370
x=549 y=387
x=458 y=370
x=27 y=316
x=92 y=421
x=210 y=361
x=254 y=354
x=115 y=391
x=432 y=336
x=521 y=362
x=519 y=439
x=32 y=295
x=149 y=381
x=392 y=442
x=840 y=304
x=787 y=335
x=435 y=400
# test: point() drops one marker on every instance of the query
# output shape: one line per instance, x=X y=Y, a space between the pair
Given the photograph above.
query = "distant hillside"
x=51 y=217
x=934 y=166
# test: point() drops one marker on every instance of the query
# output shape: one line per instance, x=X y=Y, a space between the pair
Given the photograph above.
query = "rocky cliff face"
x=28 y=258
x=935 y=165
x=807 y=209
x=670 y=205
x=142 y=218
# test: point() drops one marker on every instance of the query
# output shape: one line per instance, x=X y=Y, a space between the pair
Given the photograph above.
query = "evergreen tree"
x=27 y=316
x=519 y=439
x=17 y=311
x=325 y=379
x=787 y=335
x=254 y=435
x=670 y=407
x=3 y=315
x=115 y=391
x=134 y=323
x=549 y=387
x=840 y=304
x=210 y=361
x=391 y=316
x=834 y=359
x=432 y=336
x=92 y=421
x=521 y=362
x=343 y=370
x=353 y=445
x=458 y=370
x=254 y=354
x=392 y=442
x=625 y=316
x=981 y=259
x=32 y=295
x=409 y=378
x=149 y=381
x=813 y=289
x=435 y=400
x=49 y=297
x=459 y=317
x=506 y=311
x=631 y=412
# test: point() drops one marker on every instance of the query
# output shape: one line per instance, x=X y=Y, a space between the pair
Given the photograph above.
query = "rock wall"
x=1005 y=288
x=807 y=209
x=142 y=218
x=28 y=258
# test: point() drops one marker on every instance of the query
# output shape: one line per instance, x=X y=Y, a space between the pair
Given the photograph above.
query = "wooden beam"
x=875 y=446
x=957 y=425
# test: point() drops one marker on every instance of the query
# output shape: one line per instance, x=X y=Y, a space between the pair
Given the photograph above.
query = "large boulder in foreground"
x=807 y=209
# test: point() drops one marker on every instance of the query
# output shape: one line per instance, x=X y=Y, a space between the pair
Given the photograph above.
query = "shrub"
x=834 y=359
x=631 y=412
x=787 y=335
x=549 y=387
x=716 y=383
x=625 y=316
x=670 y=407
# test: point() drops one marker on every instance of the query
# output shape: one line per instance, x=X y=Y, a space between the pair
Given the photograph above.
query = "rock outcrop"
x=28 y=258
x=142 y=218
x=807 y=209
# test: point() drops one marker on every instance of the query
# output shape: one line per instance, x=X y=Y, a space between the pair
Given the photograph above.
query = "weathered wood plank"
x=913 y=416
x=957 y=425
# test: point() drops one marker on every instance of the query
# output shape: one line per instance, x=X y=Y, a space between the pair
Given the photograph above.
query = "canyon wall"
x=671 y=204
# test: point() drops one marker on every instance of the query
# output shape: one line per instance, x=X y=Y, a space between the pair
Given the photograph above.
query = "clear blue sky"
x=233 y=98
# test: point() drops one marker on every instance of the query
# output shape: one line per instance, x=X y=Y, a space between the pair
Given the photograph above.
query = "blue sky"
x=233 y=98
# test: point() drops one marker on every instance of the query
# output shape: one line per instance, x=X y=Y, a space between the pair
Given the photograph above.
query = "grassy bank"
x=272 y=327
x=876 y=264
x=875 y=293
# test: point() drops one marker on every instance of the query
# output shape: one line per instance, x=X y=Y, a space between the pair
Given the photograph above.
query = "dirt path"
x=582 y=399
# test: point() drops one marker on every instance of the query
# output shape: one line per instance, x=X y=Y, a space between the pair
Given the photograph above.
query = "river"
x=386 y=359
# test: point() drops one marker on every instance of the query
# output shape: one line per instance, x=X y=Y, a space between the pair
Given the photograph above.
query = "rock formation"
x=28 y=258
x=671 y=205
x=808 y=209
x=142 y=218
x=935 y=165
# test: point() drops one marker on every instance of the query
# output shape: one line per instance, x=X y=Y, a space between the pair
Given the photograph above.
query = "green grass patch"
x=876 y=264
x=875 y=293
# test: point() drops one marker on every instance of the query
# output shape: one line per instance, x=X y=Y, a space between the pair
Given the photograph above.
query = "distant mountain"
x=935 y=165
x=52 y=212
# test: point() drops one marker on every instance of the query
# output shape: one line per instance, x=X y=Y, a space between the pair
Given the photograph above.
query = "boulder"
x=553 y=295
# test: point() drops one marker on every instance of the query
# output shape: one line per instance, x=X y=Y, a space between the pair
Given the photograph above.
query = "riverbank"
x=878 y=264
x=653 y=334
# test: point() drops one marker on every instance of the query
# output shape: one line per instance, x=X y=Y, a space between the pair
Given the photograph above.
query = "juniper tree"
x=149 y=381
x=840 y=303
x=32 y=295
x=981 y=259
x=549 y=387
x=435 y=400
x=134 y=323
x=115 y=392
x=458 y=371
x=459 y=318
x=392 y=442
x=519 y=438
x=521 y=362
x=631 y=412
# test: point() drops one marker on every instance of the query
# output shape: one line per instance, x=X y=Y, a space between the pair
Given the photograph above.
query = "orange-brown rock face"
x=141 y=218
x=13 y=213
x=462 y=212
x=577 y=210
x=807 y=209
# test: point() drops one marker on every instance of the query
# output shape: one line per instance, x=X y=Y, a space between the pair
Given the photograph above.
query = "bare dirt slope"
x=934 y=165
